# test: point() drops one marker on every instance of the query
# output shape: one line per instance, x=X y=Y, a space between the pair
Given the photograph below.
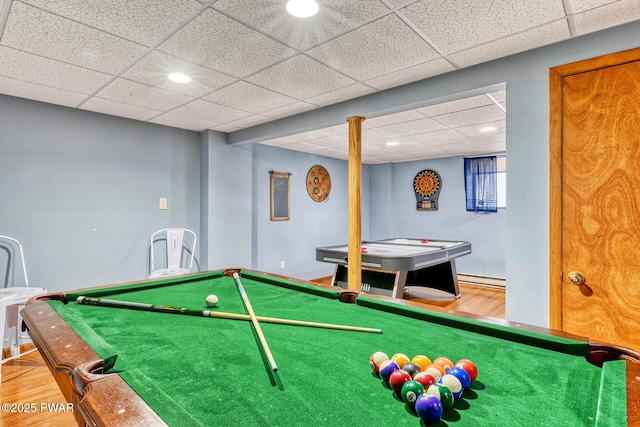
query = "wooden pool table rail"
x=78 y=370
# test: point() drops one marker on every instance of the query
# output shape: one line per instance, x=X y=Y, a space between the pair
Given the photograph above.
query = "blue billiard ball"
x=428 y=408
x=386 y=369
x=462 y=375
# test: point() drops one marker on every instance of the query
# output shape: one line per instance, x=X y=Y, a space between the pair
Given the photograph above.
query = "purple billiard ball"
x=386 y=369
x=428 y=408
x=462 y=375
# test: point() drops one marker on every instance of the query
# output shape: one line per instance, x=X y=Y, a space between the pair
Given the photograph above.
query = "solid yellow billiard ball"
x=212 y=301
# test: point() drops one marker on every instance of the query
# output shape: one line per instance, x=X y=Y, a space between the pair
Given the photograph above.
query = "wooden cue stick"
x=103 y=302
x=256 y=324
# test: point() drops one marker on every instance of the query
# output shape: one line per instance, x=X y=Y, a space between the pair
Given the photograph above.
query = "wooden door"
x=595 y=199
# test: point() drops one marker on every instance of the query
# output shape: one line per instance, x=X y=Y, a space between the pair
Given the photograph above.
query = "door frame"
x=556 y=78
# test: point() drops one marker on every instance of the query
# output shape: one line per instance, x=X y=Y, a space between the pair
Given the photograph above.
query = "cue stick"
x=103 y=302
x=256 y=324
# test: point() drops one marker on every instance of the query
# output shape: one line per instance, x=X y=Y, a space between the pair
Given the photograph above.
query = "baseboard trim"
x=478 y=280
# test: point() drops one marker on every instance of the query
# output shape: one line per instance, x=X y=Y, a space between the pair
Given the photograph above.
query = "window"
x=480 y=183
x=502 y=181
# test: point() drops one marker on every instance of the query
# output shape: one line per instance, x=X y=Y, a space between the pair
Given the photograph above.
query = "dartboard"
x=426 y=183
x=318 y=183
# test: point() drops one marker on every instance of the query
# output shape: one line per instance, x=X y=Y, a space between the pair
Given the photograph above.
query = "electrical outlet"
x=281 y=265
x=162 y=204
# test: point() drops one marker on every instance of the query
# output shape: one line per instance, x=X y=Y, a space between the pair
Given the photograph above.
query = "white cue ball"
x=212 y=301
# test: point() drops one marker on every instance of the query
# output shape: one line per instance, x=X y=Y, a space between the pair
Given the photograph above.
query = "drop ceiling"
x=252 y=63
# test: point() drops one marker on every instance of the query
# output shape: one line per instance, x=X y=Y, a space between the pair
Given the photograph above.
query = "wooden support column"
x=354 y=277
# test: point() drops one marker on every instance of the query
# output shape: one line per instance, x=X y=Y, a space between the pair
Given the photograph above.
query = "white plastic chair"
x=12 y=297
x=179 y=253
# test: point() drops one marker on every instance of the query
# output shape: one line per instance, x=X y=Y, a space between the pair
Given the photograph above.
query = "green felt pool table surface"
x=202 y=371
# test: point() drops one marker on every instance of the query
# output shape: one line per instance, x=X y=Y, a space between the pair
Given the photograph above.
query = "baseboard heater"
x=478 y=280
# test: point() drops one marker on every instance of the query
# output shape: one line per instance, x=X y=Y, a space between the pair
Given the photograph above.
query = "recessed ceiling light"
x=302 y=8
x=391 y=143
x=179 y=78
x=488 y=129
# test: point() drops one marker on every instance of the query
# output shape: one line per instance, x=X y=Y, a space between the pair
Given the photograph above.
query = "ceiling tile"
x=403 y=116
x=215 y=41
x=154 y=68
x=579 y=6
x=58 y=38
x=342 y=94
x=289 y=110
x=455 y=106
x=249 y=121
x=113 y=108
x=132 y=93
x=36 y=92
x=208 y=111
x=48 y=72
x=458 y=25
x=333 y=18
x=330 y=141
x=141 y=21
x=301 y=77
x=415 y=126
x=474 y=130
x=616 y=13
x=541 y=36
x=376 y=134
x=411 y=74
x=445 y=136
x=249 y=97
x=376 y=49
x=182 y=122
x=474 y=116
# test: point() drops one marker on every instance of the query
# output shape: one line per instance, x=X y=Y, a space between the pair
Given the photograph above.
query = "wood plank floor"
x=27 y=381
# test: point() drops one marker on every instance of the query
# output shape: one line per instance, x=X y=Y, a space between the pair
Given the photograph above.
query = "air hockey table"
x=389 y=266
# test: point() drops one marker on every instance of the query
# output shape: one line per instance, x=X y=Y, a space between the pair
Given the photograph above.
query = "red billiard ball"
x=398 y=378
x=425 y=379
x=470 y=367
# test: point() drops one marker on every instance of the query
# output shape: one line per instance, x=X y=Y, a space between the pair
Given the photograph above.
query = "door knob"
x=576 y=278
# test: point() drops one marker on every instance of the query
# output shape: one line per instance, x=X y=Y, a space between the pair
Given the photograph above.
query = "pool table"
x=134 y=367
x=390 y=265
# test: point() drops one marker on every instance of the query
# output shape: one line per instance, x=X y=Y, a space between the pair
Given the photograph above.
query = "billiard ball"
x=453 y=383
x=410 y=392
x=443 y=393
x=428 y=408
x=436 y=371
x=422 y=361
x=444 y=362
x=425 y=379
x=376 y=360
x=462 y=375
x=470 y=367
x=397 y=379
x=211 y=301
x=412 y=368
x=401 y=359
x=386 y=369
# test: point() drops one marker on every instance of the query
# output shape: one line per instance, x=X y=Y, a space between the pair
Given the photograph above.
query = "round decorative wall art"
x=318 y=183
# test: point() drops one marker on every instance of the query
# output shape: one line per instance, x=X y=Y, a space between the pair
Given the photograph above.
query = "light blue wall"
x=80 y=191
x=396 y=213
x=227 y=205
x=311 y=224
